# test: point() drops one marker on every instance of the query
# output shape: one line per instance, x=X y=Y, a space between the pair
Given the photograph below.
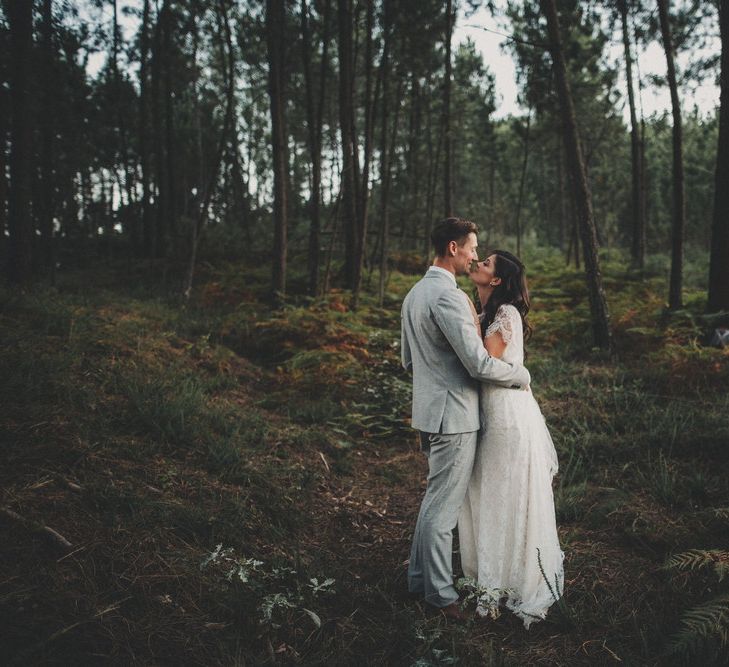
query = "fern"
x=696 y=559
x=722 y=513
x=558 y=596
x=702 y=624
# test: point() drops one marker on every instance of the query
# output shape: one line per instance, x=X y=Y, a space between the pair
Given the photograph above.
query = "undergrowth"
x=239 y=483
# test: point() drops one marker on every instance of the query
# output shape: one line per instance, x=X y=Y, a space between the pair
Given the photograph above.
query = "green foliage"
x=276 y=591
x=705 y=631
x=696 y=559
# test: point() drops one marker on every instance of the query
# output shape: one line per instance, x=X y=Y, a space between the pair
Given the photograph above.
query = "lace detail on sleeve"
x=503 y=323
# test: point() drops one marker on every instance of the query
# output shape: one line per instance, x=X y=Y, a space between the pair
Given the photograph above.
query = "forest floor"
x=239 y=484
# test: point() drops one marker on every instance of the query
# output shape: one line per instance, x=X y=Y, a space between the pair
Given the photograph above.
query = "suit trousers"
x=450 y=462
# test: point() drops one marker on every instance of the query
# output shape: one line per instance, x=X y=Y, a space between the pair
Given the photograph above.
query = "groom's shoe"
x=453 y=612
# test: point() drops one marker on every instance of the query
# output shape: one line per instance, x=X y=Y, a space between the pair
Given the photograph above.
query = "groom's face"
x=465 y=255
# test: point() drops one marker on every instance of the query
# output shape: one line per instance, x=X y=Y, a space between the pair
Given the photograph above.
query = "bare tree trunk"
x=413 y=162
x=162 y=194
x=719 y=264
x=573 y=150
x=364 y=184
x=123 y=150
x=147 y=228
x=275 y=21
x=521 y=184
x=349 y=151
x=20 y=19
x=638 y=224
x=432 y=185
x=170 y=170
x=4 y=123
x=46 y=121
x=386 y=149
x=228 y=62
x=448 y=146
x=679 y=206
x=562 y=198
x=315 y=122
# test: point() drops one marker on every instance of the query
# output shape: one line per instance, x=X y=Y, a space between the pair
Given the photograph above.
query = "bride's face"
x=484 y=273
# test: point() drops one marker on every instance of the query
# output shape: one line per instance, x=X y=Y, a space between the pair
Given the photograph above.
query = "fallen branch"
x=22 y=657
x=34 y=526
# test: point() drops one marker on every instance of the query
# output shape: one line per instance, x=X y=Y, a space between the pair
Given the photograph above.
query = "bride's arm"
x=495 y=345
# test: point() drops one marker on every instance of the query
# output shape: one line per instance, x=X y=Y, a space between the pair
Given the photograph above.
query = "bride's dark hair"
x=512 y=289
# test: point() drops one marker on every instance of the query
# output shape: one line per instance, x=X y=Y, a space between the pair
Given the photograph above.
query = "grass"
x=148 y=434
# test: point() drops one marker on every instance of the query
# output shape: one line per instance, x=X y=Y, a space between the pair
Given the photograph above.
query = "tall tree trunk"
x=364 y=186
x=170 y=170
x=227 y=60
x=637 y=247
x=573 y=150
x=161 y=181
x=20 y=19
x=46 y=122
x=679 y=204
x=448 y=145
x=123 y=149
x=719 y=263
x=434 y=165
x=412 y=165
x=275 y=21
x=315 y=122
x=147 y=220
x=4 y=123
x=562 y=197
x=349 y=151
x=386 y=150
x=521 y=183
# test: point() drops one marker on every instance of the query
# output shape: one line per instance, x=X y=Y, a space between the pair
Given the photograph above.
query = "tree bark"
x=20 y=20
x=679 y=205
x=448 y=145
x=162 y=194
x=363 y=194
x=275 y=20
x=521 y=184
x=349 y=150
x=637 y=247
x=128 y=219
x=598 y=306
x=147 y=222
x=719 y=263
x=228 y=62
x=4 y=123
x=46 y=203
x=386 y=149
x=170 y=152
x=315 y=122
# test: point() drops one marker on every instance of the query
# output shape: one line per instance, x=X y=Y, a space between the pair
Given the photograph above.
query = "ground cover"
x=238 y=484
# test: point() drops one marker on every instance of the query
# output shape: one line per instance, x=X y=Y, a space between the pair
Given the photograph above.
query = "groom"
x=441 y=343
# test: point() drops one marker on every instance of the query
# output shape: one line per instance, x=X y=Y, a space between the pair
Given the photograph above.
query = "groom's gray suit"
x=441 y=344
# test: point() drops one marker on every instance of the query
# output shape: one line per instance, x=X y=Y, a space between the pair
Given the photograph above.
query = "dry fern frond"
x=701 y=624
x=699 y=558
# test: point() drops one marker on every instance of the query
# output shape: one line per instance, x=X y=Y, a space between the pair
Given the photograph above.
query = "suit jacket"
x=441 y=344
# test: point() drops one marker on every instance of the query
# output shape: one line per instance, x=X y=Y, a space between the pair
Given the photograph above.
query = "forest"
x=210 y=214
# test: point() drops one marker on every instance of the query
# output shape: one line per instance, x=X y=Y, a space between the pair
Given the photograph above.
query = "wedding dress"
x=507 y=527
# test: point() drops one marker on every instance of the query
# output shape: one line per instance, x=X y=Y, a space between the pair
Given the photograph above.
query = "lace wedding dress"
x=507 y=528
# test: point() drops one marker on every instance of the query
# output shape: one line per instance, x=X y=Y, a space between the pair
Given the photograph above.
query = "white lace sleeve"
x=504 y=322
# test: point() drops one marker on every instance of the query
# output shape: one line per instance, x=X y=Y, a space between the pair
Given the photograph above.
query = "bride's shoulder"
x=508 y=310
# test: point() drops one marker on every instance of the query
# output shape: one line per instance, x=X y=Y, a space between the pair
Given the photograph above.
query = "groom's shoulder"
x=433 y=285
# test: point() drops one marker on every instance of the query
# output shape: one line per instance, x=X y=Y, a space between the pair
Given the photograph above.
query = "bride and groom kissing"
x=491 y=459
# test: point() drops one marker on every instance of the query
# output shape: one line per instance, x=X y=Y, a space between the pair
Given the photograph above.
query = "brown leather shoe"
x=453 y=612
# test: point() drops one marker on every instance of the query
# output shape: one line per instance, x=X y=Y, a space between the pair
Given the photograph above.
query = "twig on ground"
x=55 y=536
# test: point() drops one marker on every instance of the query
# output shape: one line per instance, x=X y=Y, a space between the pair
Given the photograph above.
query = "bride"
x=507 y=528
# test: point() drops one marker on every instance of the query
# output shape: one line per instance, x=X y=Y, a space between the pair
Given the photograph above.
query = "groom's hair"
x=451 y=229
